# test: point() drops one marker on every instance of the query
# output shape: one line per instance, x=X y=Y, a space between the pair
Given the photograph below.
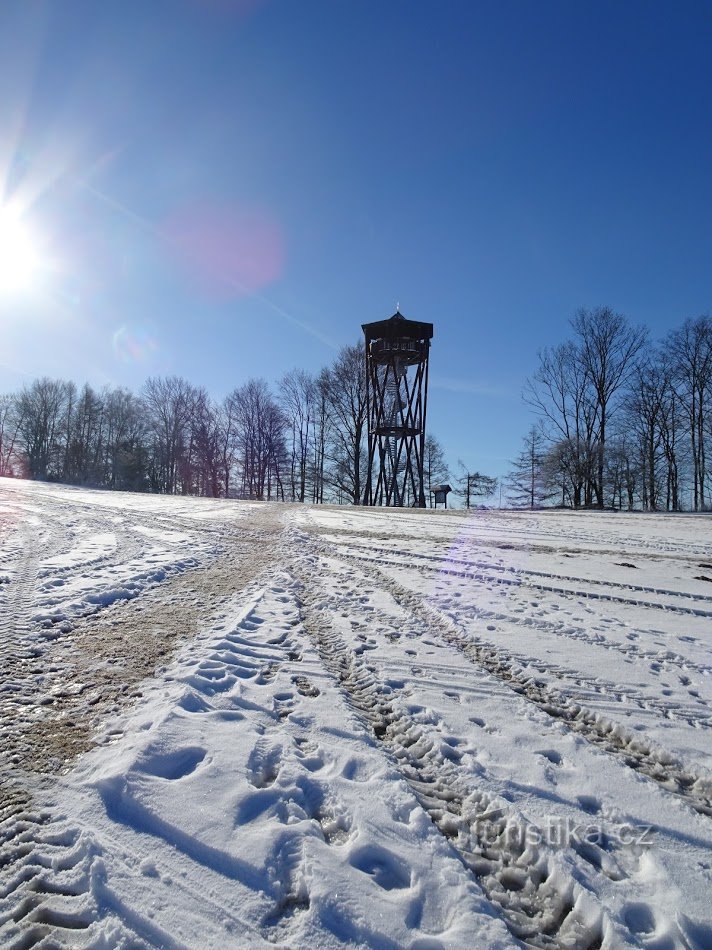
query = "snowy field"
x=230 y=724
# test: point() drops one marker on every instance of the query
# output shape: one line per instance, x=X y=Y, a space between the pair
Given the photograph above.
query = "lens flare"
x=232 y=253
x=133 y=344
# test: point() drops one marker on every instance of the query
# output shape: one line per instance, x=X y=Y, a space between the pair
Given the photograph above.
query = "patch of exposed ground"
x=98 y=668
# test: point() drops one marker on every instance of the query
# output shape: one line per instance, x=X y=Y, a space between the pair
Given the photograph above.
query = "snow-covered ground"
x=241 y=724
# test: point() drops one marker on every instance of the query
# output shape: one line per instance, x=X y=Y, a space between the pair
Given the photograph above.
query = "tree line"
x=304 y=440
x=621 y=421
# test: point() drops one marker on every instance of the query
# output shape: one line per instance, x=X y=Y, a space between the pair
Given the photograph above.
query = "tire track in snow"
x=697 y=714
x=541 y=904
x=112 y=651
x=441 y=562
x=44 y=875
x=549 y=589
x=50 y=892
x=55 y=888
x=36 y=669
x=656 y=764
x=557 y=629
x=475 y=531
x=65 y=887
x=53 y=878
x=43 y=872
x=26 y=653
x=694 y=715
x=122 y=574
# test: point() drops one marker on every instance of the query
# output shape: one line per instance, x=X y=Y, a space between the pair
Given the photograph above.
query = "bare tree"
x=645 y=408
x=227 y=428
x=570 y=464
x=560 y=392
x=623 y=469
x=322 y=428
x=207 y=446
x=670 y=428
x=259 y=441
x=125 y=437
x=689 y=350
x=608 y=348
x=345 y=386
x=41 y=408
x=298 y=395
x=84 y=435
x=577 y=391
x=169 y=404
x=10 y=419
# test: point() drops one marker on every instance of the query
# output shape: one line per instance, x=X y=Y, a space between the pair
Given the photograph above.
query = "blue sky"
x=229 y=188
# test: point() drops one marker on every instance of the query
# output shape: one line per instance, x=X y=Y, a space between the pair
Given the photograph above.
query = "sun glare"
x=19 y=260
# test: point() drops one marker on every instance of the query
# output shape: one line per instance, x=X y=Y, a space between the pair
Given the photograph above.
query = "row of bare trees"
x=621 y=422
x=303 y=442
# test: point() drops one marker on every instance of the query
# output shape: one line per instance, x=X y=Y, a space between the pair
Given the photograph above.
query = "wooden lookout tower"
x=397 y=353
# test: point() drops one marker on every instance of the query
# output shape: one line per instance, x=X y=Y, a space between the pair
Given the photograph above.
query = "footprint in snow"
x=304 y=687
x=639 y=918
x=211 y=680
x=309 y=754
x=386 y=869
x=267 y=674
x=359 y=650
x=449 y=750
x=263 y=764
x=193 y=703
x=598 y=858
x=256 y=804
x=335 y=826
x=283 y=704
x=171 y=765
x=589 y=803
x=358 y=770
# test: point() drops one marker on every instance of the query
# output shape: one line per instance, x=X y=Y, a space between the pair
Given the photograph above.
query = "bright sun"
x=19 y=260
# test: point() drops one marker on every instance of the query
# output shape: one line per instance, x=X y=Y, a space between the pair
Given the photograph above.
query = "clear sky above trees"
x=228 y=188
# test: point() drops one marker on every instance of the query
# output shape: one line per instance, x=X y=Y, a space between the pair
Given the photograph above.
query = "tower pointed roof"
x=396 y=327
